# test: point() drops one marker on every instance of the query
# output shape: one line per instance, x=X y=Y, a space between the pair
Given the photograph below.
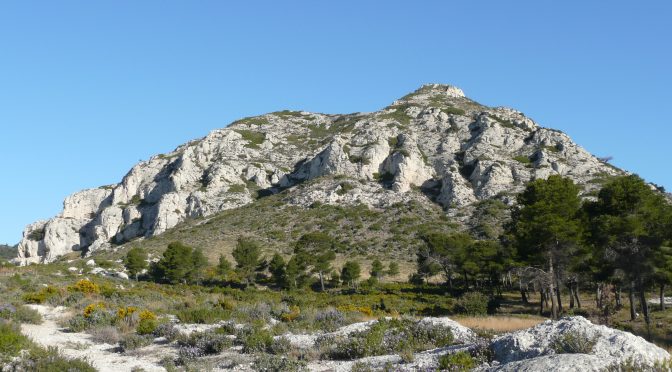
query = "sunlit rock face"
x=435 y=139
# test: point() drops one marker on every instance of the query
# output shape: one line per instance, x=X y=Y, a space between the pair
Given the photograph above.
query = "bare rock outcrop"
x=456 y=151
x=533 y=349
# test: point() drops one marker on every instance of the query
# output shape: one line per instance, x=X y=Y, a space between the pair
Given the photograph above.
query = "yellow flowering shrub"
x=90 y=309
x=293 y=313
x=147 y=315
x=350 y=308
x=124 y=312
x=85 y=286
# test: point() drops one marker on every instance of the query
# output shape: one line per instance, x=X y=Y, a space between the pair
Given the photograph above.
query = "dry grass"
x=499 y=324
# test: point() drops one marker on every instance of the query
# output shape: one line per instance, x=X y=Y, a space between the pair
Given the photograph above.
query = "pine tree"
x=546 y=228
x=629 y=225
x=377 y=269
x=392 y=269
x=224 y=267
x=175 y=264
x=278 y=271
x=350 y=273
x=198 y=265
x=317 y=251
x=135 y=261
x=247 y=254
x=441 y=254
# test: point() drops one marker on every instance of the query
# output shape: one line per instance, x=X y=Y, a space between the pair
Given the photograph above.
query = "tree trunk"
x=551 y=290
x=643 y=303
x=631 y=297
x=662 y=296
x=449 y=276
x=598 y=296
x=576 y=294
x=558 y=295
x=523 y=296
x=541 y=301
x=466 y=280
x=619 y=302
x=571 y=295
x=321 y=280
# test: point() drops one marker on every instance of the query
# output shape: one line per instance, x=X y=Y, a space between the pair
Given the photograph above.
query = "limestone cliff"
x=455 y=150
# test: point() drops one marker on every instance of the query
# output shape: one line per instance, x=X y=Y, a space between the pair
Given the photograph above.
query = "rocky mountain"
x=433 y=147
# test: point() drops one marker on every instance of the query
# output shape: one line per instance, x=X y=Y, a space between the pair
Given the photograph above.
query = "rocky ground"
x=104 y=357
x=571 y=344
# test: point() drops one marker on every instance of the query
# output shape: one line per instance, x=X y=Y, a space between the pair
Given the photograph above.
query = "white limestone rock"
x=533 y=347
x=407 y=165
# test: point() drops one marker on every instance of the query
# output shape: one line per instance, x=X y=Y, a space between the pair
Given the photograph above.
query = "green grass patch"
x=522 y=159
x=254 y=139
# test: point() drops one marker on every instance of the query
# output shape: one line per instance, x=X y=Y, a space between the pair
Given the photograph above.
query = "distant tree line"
x=311 y=264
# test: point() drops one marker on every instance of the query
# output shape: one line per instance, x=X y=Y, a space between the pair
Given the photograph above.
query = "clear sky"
x=88 y=88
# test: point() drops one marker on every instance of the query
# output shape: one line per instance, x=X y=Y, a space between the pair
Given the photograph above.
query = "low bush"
x=203 y=315
x=21 y=314
x=85 y=286
x=188 y=353
x=472 y=303
x=256 y=340
x=209 y=342
x=291 y=314
x=106 y=334
x=78 y=323
x=329 y=320
x=573 y=342
x=273 y=363
x=458 y=362
x=134 y=341
x=630 y=365
x=128 y=315
x=388 y=337
x=166 y=330
x=91 y=309
x=94 y=316
x=50 y=359
x=259 y=312
x=147 y=326
x=280 y=346
x=41 y=296
x=11 y=341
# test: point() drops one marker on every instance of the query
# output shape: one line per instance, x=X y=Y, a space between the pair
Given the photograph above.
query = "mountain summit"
x=433 y=146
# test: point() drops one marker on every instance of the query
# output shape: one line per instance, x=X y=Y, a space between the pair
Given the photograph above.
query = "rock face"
x=455 y=150
x=532 y=349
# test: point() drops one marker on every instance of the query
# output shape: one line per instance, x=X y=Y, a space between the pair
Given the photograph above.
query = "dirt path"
x=78 y=345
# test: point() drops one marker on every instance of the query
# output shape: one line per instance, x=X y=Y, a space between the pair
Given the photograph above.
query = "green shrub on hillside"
x=11 y=341
x=21 y=314
x=472 y=303
x=273 y=363
x=254 y=139
x=459 y=362
x=388 y=337
x=256 y=340
x=50 y=359
x=574 y=342
x=203 y=315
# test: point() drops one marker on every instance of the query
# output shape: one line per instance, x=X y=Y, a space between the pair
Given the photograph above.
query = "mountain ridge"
x=454 y=151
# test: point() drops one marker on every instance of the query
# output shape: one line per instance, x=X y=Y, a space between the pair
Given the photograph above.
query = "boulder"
x=532 y=349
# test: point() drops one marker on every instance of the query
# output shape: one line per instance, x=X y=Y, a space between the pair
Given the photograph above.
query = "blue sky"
x=89 y=88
